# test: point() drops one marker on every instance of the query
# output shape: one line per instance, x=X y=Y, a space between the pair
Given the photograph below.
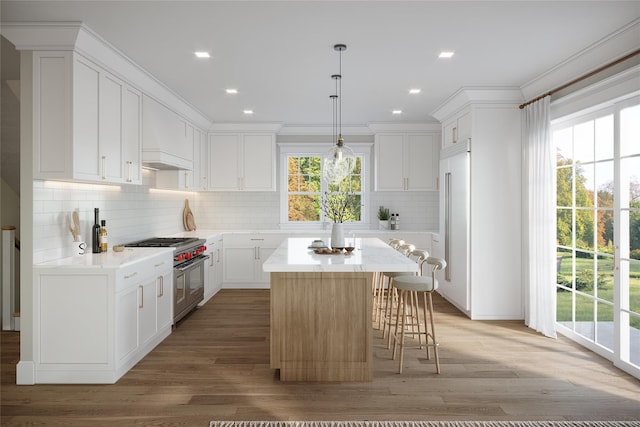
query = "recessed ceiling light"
x=202 y=54
x=444 y=54
x=247 y=111
x=396 y=112
x=413 y=91
x=232 y=90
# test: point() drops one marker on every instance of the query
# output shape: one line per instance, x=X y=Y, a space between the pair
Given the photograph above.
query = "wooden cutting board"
x=187 y=217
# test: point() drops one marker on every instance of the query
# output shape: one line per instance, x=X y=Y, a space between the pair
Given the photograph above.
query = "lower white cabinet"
x=213 y=267
x=93 y=324
x=243 y=257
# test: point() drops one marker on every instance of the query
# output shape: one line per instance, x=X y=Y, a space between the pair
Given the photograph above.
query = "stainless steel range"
x=188 y=270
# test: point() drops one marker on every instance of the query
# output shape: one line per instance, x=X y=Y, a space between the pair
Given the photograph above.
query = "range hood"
x=156 y=159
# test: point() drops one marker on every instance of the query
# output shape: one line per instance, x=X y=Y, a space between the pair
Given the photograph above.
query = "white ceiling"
x=279 y=55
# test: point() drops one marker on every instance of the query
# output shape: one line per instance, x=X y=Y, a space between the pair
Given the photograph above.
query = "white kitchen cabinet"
x=185 y=179
x=200 y=160
x=242 y=162
x=243 y=257
x=94 y=324
x=132 y=135
x=164 y=300
x=213 y=267
x=86 y=121
x=480 y=206
x=456 y=129
x=167 y=139
x=406 y=161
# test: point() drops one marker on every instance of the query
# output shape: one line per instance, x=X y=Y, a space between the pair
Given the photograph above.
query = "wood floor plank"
x=215 y=365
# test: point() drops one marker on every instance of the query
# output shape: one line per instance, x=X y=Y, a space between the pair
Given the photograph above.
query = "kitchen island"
x=321 y=307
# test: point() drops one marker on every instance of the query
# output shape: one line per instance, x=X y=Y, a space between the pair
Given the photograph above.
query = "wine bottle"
x=103 y=236
x=95 y=232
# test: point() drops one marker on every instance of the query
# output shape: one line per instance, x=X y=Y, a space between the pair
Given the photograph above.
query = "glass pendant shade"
x=338 y=163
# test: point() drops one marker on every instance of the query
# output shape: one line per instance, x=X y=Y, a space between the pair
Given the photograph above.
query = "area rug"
x=424 y=424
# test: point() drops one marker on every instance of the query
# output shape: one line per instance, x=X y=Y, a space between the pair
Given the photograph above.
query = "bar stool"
x=391 y=294
x=379 y=290
x=409 y=287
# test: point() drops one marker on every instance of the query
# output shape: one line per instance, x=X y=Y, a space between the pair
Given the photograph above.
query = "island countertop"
x=370 y=255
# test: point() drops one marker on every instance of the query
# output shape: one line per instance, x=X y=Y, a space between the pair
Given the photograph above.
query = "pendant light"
x=339 y=161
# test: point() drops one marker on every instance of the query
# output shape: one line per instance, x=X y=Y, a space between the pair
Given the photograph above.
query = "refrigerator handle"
x=447 y=225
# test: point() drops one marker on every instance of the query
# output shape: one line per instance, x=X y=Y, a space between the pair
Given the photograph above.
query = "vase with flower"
x=338 y=207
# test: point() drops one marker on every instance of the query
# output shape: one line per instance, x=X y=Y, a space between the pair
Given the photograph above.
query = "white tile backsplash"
x=138 y=212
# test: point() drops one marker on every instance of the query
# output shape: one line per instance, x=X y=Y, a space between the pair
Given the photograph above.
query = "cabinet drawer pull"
x=141 y=296
x=135 y=273
x=161 y=279
x=257 y=238
x=129 y=163
x=158 y=265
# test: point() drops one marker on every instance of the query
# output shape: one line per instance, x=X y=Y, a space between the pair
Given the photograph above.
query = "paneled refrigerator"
x=455 y=205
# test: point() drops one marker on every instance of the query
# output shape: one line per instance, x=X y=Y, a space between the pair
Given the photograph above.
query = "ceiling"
x=280 y=56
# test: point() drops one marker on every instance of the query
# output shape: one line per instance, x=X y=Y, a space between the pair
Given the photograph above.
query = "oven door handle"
x=200 y=260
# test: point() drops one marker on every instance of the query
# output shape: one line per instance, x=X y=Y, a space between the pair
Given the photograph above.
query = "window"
x=598 y=229
x=303 y=188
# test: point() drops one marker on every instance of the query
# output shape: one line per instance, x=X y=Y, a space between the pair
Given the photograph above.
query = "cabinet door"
x=258 y=163
x=126 y=324
x=420 y=161
x=111 y=151
x=389 y=174
x=464 y=127
x=223 y=162
x=263 y=254
x=164 y=296
x=198 y=180
x=147 y=311
x=219 y=278
x=131 y=134
x=239 y=264
x=86 y=119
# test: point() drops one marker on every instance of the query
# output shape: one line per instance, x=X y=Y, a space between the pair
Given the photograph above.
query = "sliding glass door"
x=598 y=230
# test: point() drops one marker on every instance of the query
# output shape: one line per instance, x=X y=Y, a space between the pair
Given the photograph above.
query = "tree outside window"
x=305 y=190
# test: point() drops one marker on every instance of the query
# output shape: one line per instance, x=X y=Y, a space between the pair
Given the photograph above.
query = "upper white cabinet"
x=456 y=129
x=167 y=139
x=242 y=162
x=86 y=121
x=188 y=179
x=406 y=161
x=132 y=134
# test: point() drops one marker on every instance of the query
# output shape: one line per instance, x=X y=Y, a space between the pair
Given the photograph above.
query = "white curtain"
x=540 y=220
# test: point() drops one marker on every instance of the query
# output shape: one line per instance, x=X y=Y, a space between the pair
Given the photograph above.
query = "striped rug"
x=425 y=424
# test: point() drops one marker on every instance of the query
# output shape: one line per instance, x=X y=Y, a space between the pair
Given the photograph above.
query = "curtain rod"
x=581 y=78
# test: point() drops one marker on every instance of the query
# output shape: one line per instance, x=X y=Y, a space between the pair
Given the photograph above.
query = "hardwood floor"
x=215 y=365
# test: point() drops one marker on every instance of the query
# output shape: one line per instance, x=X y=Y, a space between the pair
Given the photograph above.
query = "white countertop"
x=371 y=254
x=109 y=259
x=207 y=233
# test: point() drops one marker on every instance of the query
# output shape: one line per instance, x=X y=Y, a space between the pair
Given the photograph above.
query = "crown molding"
x=42 y=35
x=323 y=130
x=608 y=49
x=467 y=96
x=405 y=127
x=245 y=127
x=77 y=37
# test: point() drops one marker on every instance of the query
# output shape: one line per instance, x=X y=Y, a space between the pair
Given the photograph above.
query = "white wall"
x=131 y=213
x=138 y=212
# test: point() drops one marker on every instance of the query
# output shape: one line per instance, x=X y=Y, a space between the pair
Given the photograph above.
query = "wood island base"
x=321 y=326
